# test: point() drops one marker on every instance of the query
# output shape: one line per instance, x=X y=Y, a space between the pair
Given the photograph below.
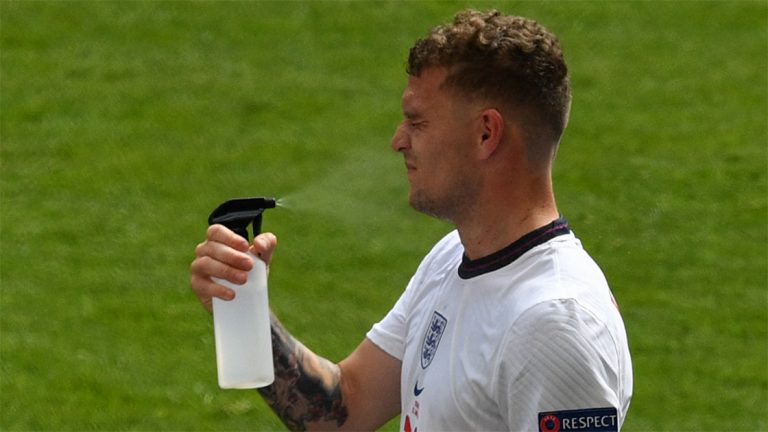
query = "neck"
x=497 y=220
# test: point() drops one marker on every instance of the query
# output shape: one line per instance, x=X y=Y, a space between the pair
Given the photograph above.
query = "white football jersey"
x=527 y=339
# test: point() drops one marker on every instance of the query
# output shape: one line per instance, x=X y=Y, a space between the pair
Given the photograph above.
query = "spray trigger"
x=237 y=214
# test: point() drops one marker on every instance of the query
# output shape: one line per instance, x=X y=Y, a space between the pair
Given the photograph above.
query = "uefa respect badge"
x=582 y=420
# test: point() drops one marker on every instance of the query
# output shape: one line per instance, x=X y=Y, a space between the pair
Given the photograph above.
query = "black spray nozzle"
x=237 y=214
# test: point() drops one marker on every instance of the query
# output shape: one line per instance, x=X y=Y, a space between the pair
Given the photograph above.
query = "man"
x=507 y=324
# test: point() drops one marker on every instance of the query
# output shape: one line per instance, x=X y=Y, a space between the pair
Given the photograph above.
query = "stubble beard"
x=455 y=202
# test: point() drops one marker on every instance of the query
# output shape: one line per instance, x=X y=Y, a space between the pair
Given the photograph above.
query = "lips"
x=410 y=170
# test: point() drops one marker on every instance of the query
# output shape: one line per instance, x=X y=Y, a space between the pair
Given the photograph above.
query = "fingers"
x=264 y=245
x=211 y=267
x=221 y=234
x=223 y=246
x=222 y=255
x=203 y=269
x=206 y=290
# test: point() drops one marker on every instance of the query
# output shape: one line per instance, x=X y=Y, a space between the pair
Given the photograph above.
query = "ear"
x=491 y=130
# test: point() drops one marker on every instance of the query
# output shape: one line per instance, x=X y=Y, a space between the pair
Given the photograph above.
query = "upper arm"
x=558 y=358
x=370 y=386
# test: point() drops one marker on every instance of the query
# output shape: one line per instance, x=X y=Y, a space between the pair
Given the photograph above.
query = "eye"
x=417 y=124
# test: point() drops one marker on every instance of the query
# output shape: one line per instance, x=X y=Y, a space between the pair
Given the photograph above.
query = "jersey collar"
x=473 y=268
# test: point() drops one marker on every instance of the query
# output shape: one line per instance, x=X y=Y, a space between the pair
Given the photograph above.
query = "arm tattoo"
x=306 y=387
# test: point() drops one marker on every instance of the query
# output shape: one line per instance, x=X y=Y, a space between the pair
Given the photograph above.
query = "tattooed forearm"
x=306 y=387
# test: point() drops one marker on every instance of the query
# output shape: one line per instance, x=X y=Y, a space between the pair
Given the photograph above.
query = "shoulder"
x=445 y=253
x=560 y=354
x=448 y=245
x=555 y=334
x=562 y=300
x=562 y=313
x=547 y=319
x=558 y=270
x=549 y=339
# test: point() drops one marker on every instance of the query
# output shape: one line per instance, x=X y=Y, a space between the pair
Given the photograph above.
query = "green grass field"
x=123 y=124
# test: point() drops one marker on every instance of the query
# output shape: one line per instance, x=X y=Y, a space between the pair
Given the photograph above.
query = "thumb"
x=263 y=246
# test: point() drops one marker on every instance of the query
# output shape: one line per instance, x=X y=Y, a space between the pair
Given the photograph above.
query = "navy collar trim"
x=473 y=268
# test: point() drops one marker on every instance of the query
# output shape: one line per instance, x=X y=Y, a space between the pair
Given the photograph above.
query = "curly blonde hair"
x=510 y=60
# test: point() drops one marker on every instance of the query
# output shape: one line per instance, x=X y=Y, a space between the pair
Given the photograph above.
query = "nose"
x=400 y=140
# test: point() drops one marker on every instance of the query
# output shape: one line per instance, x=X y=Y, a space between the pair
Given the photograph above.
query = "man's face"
x=437 y=138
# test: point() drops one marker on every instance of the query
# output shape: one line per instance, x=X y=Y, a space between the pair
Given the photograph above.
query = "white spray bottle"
x=241 y=326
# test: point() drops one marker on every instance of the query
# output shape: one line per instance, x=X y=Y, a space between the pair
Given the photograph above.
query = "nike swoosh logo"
x=416 y=390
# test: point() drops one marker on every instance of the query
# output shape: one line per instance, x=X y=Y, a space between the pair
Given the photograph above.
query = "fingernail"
x=261 y=243
x=242 y=277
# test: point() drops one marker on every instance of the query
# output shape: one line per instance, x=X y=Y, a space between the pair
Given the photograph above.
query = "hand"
x=223 y=255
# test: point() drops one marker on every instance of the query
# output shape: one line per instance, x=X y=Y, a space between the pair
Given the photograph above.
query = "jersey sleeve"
x=558 y=359
x=389 y=333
